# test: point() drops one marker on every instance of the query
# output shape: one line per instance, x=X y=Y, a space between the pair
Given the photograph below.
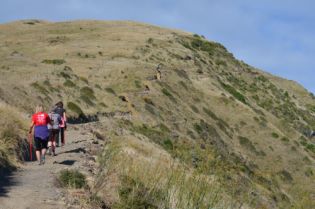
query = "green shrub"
x=182 y=73
x=102 y=104
x=309 y=172
x=311 y=147
x=98 y=86
x=40 y=88
x=194 y=108
x=87 y=92
x=72 y=179
x=234 y=92
x=64 y=75
x=210 y=113
x=150 y=109
x=157 y=134
x=220 y=62
x=69 y=83
x=54 y=61
x=261 y=78
x=110 y=90
x=285 y=176
x=183 y=84
x=206 y=131
x=150 y=40
x=85 y=80
x=169 y=95
x=133 y=194
x=245 y=142
x=285 y=139
x=75 y=108
x=168 y=144
x=275 y=135
x=87 y=100
x=138 y=84
x=67 y=68
x=148 y=101
x=47 y=83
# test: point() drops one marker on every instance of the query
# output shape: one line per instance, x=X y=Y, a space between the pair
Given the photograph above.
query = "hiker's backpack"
x=55 y=120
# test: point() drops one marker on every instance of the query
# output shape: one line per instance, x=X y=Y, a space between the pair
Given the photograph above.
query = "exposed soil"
x=34 y=186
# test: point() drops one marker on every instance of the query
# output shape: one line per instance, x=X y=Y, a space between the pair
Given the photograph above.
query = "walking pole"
x=30 y=141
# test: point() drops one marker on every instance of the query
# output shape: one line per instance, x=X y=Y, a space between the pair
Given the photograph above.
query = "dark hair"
x=59 y=104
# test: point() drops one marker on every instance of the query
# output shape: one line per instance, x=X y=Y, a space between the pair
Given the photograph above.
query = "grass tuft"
x=72 y=179
x=54 y=61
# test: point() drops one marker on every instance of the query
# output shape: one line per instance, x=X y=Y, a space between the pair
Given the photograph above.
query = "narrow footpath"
x=33 y=186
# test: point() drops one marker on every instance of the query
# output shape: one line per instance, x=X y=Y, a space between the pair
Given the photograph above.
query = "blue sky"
x=276 y=36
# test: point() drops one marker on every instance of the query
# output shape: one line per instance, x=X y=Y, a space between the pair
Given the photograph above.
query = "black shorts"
x=40 y=144
x=53 y=134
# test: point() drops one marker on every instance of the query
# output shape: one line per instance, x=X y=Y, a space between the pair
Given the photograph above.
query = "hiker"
x=54 y=129
x=40 y=121
x=63 y=126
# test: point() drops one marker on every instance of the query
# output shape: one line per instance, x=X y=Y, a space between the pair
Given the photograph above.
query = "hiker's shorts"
x=40 y=144
x=54 y=133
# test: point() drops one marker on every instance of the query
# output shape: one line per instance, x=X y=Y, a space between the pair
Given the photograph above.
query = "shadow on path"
x=6 y=181
x=67 y=162
x=77 y=150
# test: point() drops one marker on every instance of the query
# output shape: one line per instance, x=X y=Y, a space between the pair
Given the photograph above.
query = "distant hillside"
x=188 y=125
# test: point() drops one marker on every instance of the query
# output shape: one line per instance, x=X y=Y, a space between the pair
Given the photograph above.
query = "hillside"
x=212 y=131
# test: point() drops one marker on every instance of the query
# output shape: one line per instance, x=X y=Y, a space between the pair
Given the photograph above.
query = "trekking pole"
x=31 y=151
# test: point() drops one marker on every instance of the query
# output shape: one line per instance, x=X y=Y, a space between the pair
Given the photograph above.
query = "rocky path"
x=33 y=186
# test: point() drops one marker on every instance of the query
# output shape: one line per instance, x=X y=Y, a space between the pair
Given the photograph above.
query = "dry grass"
x=130 y=53
x=12 y=132
x=147 y=176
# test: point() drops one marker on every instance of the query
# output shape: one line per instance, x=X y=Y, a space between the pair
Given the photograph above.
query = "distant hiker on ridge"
x=40 y=120
x=63 y=126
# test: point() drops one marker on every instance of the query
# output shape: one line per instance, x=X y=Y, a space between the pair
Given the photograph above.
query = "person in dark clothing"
x=63 y=125
x=54 y=128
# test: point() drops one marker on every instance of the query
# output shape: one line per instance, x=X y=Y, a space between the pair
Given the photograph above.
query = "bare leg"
x=43 y=155
x=53 y=143
x=43 y=152
x=62 y=133
x=38 y=155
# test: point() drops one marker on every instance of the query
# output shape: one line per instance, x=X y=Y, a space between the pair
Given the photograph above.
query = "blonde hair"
x=39 y=108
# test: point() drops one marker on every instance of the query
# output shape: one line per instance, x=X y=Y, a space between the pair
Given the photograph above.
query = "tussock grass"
x=71 y=179
x=158 y=183
x=69 y=83
x=54 y=61
x=12 y=129
x=75 y=108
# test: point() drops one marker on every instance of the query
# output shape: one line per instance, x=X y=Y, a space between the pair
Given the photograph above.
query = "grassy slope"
x=211 y=112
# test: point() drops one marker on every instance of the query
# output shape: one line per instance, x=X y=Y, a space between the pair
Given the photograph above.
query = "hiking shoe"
x=42 y=161
x=49 y=151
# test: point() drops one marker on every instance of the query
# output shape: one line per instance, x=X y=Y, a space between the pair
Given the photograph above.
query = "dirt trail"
x=33 y=186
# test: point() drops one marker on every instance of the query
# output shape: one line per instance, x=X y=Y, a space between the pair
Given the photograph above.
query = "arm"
x=65 y=120
x=64 y=117
x=31 y=127
x=49 y=120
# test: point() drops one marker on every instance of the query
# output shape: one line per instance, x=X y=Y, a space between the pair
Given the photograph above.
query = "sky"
x=277 y=36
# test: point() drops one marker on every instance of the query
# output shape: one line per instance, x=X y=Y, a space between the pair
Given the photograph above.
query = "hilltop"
x=184 y=122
